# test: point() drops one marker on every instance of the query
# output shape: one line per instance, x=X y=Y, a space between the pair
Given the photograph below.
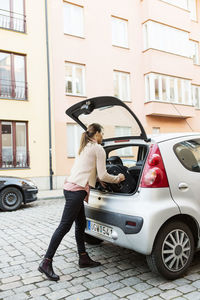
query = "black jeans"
x=73 y=211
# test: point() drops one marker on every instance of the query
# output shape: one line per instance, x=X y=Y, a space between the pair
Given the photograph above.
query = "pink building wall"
x=100 y=58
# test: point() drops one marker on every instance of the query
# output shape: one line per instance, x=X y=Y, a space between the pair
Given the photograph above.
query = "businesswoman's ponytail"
x=88 y=135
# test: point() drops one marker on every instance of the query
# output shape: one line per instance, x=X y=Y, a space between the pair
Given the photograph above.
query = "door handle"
x=183 y=186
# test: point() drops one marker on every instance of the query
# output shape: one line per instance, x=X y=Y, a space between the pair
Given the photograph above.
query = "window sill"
x=73 y=95
x=76 y=36
x=163 y=51
x=129 y=101
x=17 y=168
x=13 y=30
x=122 y=47
x=167 y=102
x=13 y=99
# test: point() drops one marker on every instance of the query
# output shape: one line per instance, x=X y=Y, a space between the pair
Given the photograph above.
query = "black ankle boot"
x=46 y=268
x=86 y=262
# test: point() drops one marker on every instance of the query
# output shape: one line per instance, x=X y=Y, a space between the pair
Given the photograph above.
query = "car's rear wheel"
x=92 y=240
x=173 y=251
x=10 y=199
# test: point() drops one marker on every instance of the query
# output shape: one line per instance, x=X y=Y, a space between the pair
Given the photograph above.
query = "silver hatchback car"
x=156 y=210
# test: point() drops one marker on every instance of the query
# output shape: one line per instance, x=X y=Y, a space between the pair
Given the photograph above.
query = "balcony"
x=12 y=21
x=161 y=109
x=169 y=96
x=13 y=89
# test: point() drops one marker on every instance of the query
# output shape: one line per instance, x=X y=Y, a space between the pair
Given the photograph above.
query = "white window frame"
x=166 y=38
x=119 y=25
x=196 y=102
x=74 y=79
x=192 y=6
x=194 y=52
x=73 y=144
x=73 y=19
x=150 y=89
x=117 y=76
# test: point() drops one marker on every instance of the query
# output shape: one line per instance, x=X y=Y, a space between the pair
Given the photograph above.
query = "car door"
x=114 y=115
x=182 y=162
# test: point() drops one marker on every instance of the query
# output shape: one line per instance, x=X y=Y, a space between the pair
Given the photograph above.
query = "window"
x=188 y=153
x=168 y=89
x=122 y=85
x=192 y=6
x=13 y=144
x=185 y=4
x=129 y=160
x=166 y=38
x=12 y=15
x=155 y=130
x=121 y=131
x=196 y=95
x=12 y=76
x=194 y=52
x=73 y=19
x=119 y=32
x=74 y=79
x=73 y=139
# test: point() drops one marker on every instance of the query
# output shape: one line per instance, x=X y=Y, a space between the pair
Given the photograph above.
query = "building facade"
x=24 y=139
x=145 y=52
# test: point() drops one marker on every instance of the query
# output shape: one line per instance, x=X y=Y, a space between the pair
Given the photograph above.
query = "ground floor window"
x=196 y=95
x=13 y=144
x=74 y=133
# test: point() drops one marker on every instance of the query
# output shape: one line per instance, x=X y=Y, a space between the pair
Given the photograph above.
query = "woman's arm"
x=101 y=167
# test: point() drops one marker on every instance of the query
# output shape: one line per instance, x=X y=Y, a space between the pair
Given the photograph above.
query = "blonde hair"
x=88 y=135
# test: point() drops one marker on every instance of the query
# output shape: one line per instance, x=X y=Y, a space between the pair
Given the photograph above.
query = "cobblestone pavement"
x=124 y=274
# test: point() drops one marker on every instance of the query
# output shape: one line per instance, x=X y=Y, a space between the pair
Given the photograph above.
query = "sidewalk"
x=50 y=194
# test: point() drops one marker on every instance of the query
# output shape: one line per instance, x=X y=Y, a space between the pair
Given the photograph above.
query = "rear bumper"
x=121 y=221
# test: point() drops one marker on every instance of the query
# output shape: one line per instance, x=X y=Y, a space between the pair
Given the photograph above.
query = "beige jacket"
x=90 y=164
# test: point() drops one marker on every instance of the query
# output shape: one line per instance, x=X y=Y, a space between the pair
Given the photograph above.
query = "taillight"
x=154 y=174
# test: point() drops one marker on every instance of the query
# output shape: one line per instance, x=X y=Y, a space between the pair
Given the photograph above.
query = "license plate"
x=98 y=228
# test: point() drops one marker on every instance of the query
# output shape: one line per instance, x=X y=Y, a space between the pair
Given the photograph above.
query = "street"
x=124 y=274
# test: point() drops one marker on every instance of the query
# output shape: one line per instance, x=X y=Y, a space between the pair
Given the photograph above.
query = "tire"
x=92 y=240
x=10 y=199
x=173 y=251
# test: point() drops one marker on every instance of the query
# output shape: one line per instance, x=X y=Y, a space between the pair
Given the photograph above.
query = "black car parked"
x=14 y=191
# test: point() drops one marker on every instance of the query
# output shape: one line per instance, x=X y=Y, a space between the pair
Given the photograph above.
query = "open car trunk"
x=126 y=157
x=125 y=140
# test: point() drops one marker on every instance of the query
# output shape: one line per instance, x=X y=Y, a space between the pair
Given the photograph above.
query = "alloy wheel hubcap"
x=10 y=199
x=176 y=250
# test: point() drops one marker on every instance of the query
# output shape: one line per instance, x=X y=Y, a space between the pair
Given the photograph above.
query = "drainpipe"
x=49 y=99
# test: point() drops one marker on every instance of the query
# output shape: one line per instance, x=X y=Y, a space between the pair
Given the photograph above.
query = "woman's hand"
x=121 y=177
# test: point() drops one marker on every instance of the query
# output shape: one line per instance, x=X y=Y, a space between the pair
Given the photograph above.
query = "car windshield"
x=116 y=121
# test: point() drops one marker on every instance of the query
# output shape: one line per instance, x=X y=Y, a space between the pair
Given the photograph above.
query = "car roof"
x=161 y=137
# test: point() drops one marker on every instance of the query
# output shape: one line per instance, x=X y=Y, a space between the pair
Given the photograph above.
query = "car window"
x=128 y=155
x=188 y=153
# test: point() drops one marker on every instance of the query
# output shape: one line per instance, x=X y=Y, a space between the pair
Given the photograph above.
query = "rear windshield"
x=116 y=120
x=188 y=153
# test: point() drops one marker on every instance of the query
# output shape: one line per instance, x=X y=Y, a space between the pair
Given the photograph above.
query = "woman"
x=90 y=161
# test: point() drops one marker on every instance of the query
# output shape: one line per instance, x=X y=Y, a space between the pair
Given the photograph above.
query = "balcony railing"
x=13 y=89
x=13 y=21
